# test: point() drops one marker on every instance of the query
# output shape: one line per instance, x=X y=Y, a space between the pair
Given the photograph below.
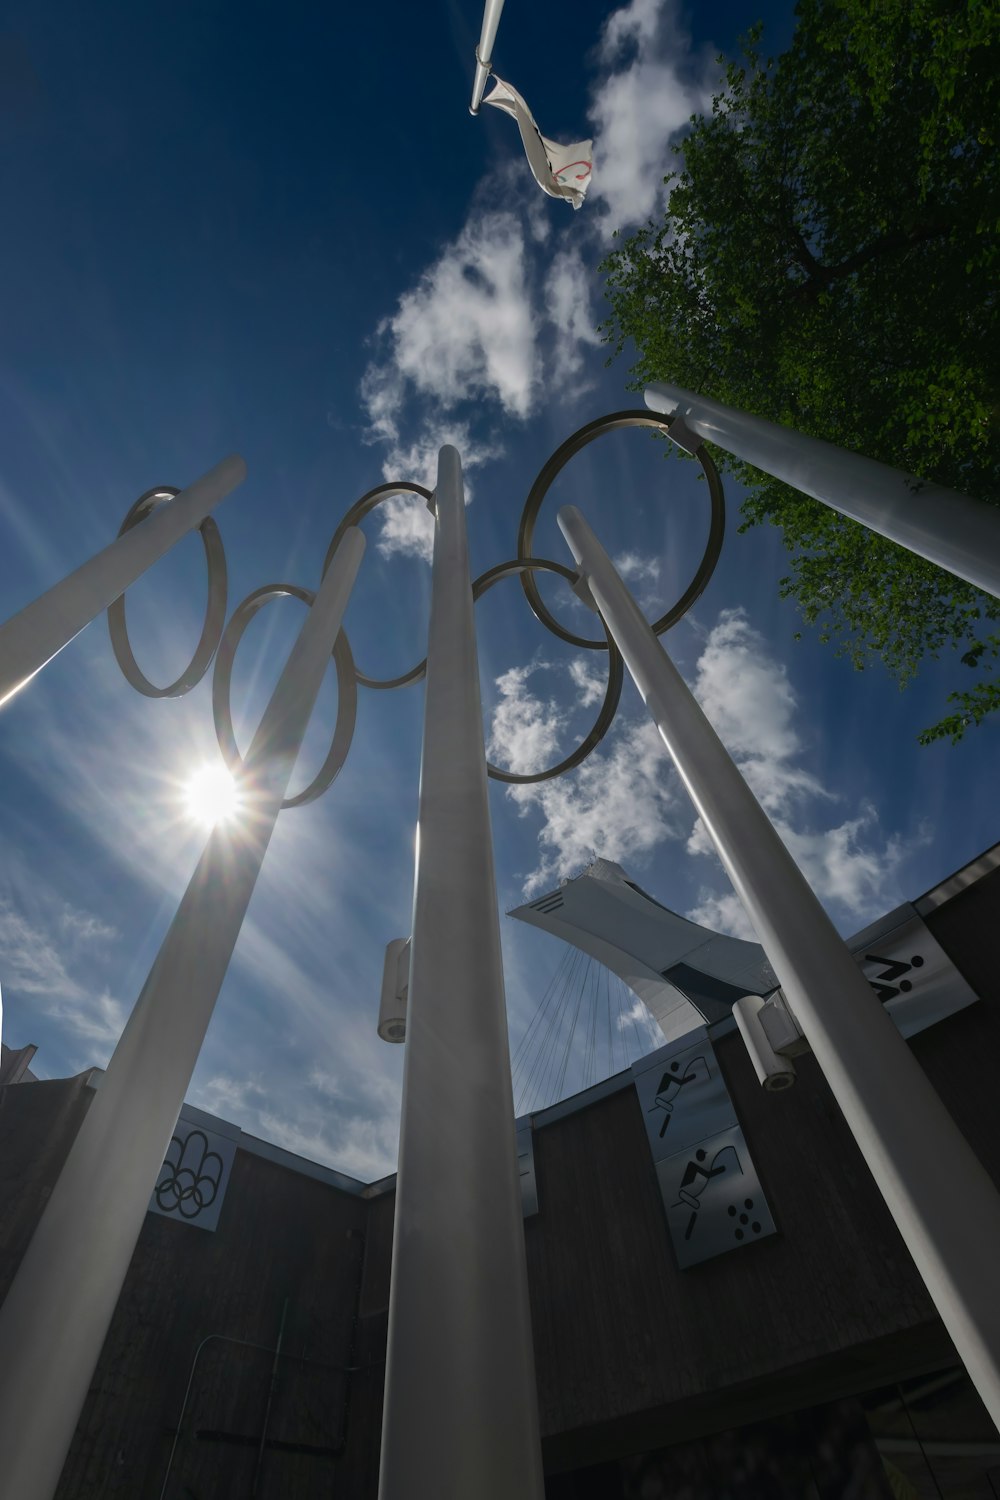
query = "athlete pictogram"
x=672 y=1082
x=885 y=984
x=691 y=1189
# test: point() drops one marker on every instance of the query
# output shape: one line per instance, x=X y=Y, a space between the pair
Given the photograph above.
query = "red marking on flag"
x=580 y=176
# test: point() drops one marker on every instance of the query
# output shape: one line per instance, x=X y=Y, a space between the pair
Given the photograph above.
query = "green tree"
x=829 y=259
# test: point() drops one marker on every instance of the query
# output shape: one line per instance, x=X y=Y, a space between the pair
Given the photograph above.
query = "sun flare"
x=212 y=796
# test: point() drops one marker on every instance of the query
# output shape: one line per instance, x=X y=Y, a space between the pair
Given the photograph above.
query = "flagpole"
x=943 y=1200
x=952 y=530
x=31 y=638
x=484 y=52
x=60 y=1304
x=461 y=1414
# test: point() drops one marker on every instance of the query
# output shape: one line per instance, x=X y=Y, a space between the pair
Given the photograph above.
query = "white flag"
x=560 y=171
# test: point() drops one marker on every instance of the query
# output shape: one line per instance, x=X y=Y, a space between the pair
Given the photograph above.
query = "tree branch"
x=819 y=276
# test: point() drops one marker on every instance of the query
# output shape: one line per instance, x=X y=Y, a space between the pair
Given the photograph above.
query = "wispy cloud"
x=648 y=1032
x=648 y=89
x=590 y=683
x=229 y=1097
x=407 y=526
x=620 y=802
x=303 y=985
x=84 y=926
x=747 y=695
x=354 y=1128
x=32 y=962
x=465 y=329
x=100 y=1022
x=643 y=573
x=524 y=732
x=568 y=291
x=723 y=913
x=749 y=699
x=46 y=955
x=363 y=1148
x=635 y=568
x=507 y=306
x=625 y=800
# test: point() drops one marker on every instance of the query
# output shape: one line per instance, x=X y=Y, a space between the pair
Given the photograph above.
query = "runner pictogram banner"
x=560 y=171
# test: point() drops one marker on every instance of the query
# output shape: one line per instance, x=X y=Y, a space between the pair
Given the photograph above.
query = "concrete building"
x=722 y=1305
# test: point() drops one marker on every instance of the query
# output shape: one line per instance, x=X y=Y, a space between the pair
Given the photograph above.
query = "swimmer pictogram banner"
x=560 y=171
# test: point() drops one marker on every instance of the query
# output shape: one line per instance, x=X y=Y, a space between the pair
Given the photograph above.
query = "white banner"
x=560 y=171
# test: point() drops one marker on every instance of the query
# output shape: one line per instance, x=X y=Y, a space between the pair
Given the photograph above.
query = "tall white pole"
x=484 y=52
x=57 y=1311
x=946 y=527
x=461 y=1416
x=39 y=631
x=945 y=1204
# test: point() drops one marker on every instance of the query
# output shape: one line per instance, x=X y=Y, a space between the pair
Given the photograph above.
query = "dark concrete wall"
x=38 y=1124
x=632 y=1353
x=282 y=1238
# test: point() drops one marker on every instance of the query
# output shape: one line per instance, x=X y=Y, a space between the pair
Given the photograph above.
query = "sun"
x=211 y=796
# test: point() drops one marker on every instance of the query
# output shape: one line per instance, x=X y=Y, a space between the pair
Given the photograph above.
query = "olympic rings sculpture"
x=215 y=609
x=220 y=641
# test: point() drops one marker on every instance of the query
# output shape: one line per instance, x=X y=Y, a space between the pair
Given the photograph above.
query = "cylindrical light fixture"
x=395 y=986
x=774 y=1072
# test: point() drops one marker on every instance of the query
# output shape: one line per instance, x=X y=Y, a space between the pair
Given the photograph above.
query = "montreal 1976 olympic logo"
x=190 y=1176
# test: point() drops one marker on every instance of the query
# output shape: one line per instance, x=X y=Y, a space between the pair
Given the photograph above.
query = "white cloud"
x=643 y=573
x=354 y=1129
x=524 y=733
x=853 y=868
x=638 y=569
x=644 y=99
x=724 y=913
x=466 y=329
x=850 y=866
x=625 y=800
x=636 y=24
x=100 y=1022
x=32 y=962
x=226 y=1096
x=85 y=926
x=506 y=306
x=361 y=1148
x=407 y=524
x=590 y=684
x=407 y=527
x=537 y=216
x=620 y=803
x=746 y=695
x=636 y=1015
x=35 y=951
x=748 y=698
x=326 y=1083
x=568 y=307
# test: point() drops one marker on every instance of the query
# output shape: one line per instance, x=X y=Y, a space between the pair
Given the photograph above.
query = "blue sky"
x=280 y=233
